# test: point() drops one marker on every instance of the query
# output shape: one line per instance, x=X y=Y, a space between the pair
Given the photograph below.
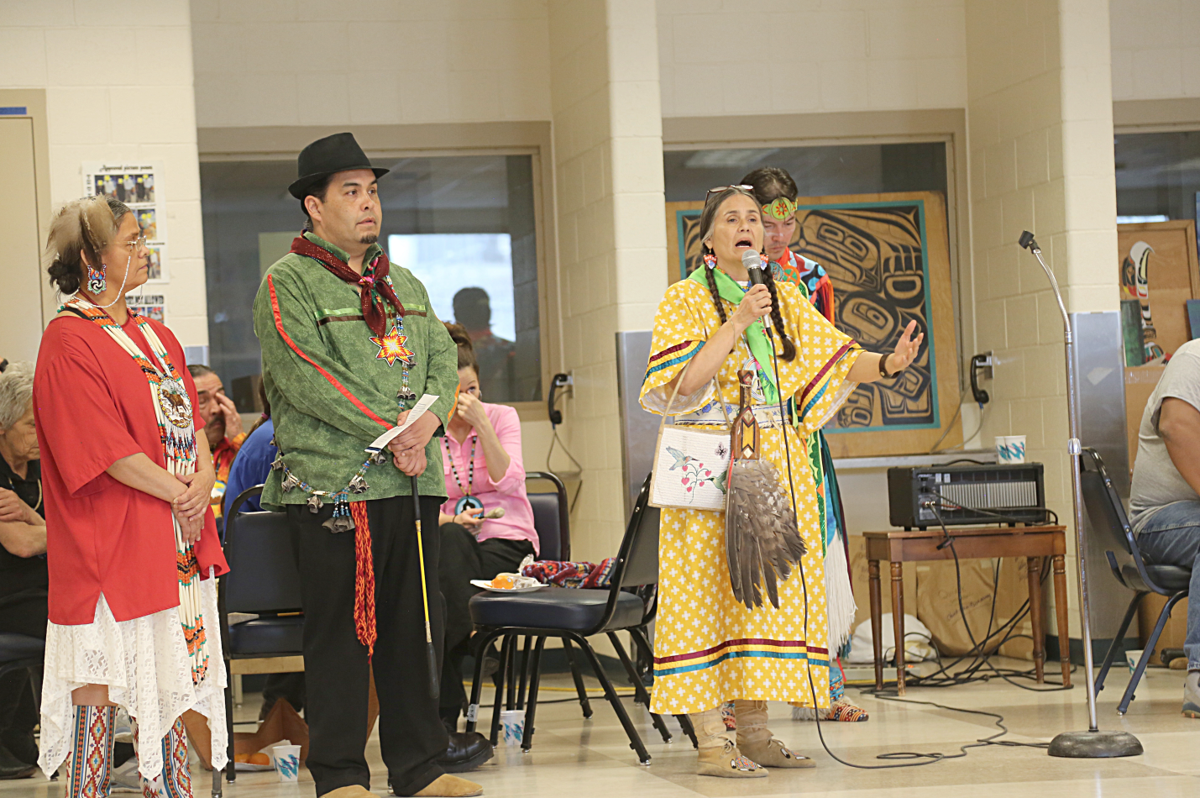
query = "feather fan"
x=762 y=541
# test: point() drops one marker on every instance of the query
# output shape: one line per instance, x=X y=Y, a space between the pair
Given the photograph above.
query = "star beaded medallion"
x=391 y=348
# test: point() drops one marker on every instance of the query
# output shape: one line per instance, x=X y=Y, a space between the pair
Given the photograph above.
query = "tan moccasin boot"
x=718 y=752
x=353 y=791
x=755 y=739
x=448 y=786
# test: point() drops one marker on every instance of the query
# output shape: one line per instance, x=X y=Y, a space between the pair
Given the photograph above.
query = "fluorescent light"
x=1156 y=217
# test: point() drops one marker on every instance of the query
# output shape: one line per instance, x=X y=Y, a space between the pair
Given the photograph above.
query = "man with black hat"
x=348 y=348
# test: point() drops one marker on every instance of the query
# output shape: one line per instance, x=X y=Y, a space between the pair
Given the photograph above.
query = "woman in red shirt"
x=131 y=544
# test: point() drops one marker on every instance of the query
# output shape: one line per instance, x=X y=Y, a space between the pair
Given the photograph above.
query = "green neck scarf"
x=755 y=336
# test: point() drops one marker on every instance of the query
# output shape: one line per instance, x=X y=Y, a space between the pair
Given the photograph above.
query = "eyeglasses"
x=136 y=244
x=719 y=189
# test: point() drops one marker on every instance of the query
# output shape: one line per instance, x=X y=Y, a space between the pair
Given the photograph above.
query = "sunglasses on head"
x=719 y=189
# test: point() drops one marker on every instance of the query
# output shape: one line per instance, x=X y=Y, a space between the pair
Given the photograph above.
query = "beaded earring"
x=710 y=259
x=95 y=282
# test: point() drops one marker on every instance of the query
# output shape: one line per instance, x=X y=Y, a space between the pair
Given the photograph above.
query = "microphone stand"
x=1093 y=743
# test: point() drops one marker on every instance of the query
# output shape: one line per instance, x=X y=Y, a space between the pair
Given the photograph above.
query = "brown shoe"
x=774 y=754
x=447 y=786
x=353 y=791
x=727 y=762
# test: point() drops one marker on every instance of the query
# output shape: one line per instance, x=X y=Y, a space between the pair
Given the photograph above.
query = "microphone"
x=754 y=267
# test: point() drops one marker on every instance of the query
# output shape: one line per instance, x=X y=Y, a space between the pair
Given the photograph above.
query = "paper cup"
x=513 y=721
x=1010 y=449
x=1016 y=448
x=287 y=762
x=1131 y=659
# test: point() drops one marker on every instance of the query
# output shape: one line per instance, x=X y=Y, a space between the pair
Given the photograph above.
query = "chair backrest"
x=263 y=576
x=1111 y=524
x=637 y=559
x=551 y=517
x=639 y=549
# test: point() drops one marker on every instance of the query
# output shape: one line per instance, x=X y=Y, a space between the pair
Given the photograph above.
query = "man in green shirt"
x=349 y=346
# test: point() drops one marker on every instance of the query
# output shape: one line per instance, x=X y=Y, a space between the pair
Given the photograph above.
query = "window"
x=463 y=224
x=1158 y=176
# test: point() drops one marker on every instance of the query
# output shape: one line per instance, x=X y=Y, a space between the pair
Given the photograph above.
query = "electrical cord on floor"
x=979 y=654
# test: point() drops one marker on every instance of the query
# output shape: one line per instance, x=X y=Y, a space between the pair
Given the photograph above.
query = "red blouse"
x=93 y=406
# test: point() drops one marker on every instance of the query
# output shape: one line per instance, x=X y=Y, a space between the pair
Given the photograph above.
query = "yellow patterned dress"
x=708 y=648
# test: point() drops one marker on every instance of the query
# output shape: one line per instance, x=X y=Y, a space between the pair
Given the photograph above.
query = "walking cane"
x=431 y=655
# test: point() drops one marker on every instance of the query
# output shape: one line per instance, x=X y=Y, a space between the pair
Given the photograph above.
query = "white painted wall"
x=1155 y=49
x=723 y=58
x=118 y=82
x=374 y=62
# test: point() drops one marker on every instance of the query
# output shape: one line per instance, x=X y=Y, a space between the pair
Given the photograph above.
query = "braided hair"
x=86 y=225
x=707 y=220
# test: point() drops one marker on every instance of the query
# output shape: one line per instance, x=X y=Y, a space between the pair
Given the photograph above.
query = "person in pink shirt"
x=481 y=457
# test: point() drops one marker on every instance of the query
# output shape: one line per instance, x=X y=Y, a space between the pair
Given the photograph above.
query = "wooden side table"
x=1030 y=542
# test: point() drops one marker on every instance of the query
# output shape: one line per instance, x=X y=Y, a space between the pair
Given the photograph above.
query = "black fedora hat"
x=327 y=156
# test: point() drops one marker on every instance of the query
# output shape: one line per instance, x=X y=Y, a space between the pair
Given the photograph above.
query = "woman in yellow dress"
x=709 y=648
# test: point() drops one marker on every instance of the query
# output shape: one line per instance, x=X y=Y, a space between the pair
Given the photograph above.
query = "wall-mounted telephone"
x=557 y=382
x=978 y=362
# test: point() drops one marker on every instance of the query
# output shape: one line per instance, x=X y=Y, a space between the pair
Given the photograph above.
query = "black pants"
x=411 y=736
x=22 y=613
x=288 y=686
x=464 y=558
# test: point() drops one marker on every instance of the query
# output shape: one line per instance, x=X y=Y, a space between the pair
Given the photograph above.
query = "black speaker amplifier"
x=960 y=492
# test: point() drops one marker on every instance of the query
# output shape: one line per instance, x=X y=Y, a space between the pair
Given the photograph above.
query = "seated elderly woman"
x=23 y=577
x=484 y=473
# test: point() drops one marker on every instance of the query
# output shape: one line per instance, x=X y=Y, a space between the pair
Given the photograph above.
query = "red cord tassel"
x=364 y=579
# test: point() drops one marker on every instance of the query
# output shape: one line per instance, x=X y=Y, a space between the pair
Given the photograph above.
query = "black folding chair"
x=1128 y=565
x=264 y=580
x=552 y=522
x=575 y=615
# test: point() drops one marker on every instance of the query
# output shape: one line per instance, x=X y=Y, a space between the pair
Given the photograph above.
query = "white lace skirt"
x=144 y=662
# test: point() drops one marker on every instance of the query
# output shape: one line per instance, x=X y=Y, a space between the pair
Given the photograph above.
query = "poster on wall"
x=889 y=260
x=152 y=306
x=138 y=185
x=1159 y=274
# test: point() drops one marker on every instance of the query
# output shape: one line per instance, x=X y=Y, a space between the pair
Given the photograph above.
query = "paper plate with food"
x=509 y=583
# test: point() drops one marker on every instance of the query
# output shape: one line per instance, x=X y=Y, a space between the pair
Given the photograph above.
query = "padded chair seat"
x=1168 y=577
x=14 y=647
x=269 y=636
x=555 y=608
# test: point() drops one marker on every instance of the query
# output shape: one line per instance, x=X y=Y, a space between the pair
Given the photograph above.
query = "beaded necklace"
x=468 y=501
x=173 y=411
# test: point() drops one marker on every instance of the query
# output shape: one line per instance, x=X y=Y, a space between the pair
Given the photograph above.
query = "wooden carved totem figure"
x=744 y=437
x=1135 y=280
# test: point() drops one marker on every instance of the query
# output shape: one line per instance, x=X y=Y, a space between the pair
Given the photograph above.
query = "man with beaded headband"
x=349 y=345
x=131 y=544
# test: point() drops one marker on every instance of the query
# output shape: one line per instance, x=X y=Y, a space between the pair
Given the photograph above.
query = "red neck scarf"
x=374 y=288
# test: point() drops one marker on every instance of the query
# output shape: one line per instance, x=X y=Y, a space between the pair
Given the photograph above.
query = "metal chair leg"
x=524 y=672
x=581 y=691
x=639 y=689
x=534 y=680
x=231 y=768
x=635 y=740
x=1151 y=642
x=477 y=682
x=689 y=730
x=1116 y=643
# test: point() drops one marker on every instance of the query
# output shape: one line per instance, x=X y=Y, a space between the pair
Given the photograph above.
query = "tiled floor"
x=591 y=759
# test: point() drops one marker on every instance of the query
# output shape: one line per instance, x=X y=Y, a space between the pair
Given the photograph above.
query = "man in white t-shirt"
x=1164 y=502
